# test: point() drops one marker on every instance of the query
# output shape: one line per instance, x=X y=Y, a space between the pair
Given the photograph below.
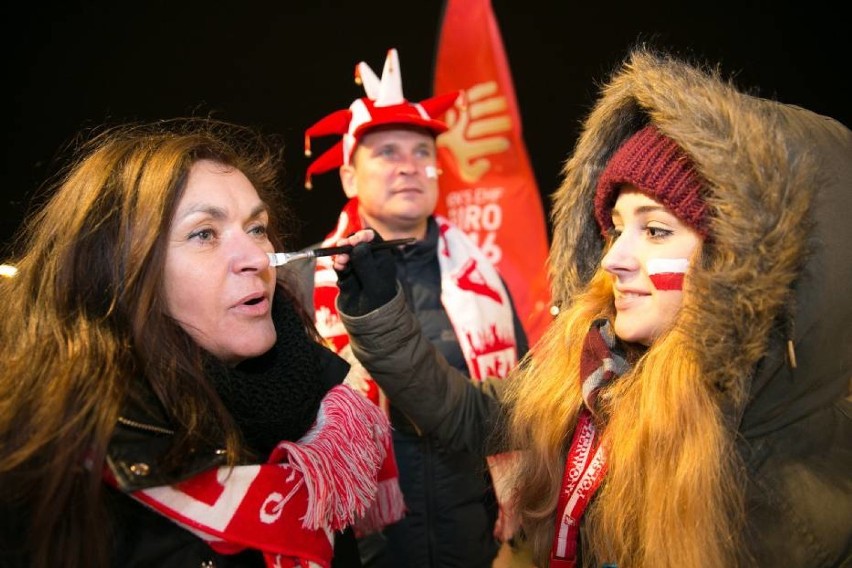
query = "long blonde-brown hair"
x=82 y=326
x=672 y=495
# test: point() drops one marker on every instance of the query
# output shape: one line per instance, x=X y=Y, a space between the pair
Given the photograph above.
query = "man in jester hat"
x=387 y=162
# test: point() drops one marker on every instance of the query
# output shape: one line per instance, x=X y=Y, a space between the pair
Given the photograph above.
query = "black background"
x=281 y=65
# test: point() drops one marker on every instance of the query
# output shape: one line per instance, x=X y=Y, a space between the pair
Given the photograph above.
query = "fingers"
x=340 y=261
x=362 y=236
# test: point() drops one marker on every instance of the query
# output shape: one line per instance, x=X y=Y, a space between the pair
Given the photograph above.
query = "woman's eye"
x=203 y=235
x=658 y=232
x=259 y=230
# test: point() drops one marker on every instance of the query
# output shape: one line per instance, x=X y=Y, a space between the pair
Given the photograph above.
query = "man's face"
x=393 y=173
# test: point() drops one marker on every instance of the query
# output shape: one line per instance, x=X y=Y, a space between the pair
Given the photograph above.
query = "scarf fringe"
x=388 y=508
x=340 y=489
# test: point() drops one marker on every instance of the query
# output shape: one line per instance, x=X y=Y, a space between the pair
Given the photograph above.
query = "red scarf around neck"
x=472 y=293
x=585 y=464
x=289 y=507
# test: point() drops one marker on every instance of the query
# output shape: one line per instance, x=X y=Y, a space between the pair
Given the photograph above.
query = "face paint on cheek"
x=431 y=172
x=667 y=273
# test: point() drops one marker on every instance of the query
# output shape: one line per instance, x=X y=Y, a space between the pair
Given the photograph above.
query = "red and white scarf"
x=472 y=293
x=585 y=464
x=289 y=507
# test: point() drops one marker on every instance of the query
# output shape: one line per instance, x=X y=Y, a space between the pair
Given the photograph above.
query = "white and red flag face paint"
x=667 y=273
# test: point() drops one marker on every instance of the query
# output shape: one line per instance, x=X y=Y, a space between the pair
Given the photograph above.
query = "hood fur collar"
x=780 y=189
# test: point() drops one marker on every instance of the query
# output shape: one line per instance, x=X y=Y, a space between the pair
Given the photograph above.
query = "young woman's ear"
x=347 y=180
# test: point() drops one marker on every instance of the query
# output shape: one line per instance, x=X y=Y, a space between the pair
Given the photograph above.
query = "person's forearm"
x=416 y=378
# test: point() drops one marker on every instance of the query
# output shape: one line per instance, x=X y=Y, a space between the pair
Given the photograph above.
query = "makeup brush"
x=281 y=258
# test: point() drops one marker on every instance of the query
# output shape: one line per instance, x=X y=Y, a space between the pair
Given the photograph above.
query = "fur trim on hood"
x=779 y=265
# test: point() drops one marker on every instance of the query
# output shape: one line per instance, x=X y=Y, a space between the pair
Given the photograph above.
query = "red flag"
x=487 y=186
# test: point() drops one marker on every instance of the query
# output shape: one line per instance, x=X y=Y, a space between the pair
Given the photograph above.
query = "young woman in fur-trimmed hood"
x=688 y=406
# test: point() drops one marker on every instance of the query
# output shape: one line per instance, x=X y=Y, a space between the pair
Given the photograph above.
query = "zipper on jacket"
x=147 y=427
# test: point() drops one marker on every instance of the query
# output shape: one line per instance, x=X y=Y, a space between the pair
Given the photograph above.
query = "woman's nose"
x=250 y=255
x=621 y=256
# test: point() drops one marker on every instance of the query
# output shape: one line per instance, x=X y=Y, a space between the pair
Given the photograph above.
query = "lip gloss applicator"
x=281 y=258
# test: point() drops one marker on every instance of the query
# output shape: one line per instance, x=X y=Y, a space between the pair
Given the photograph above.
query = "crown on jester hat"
x=384 y=105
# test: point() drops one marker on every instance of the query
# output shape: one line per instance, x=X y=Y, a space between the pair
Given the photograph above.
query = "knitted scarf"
x=276 y=396
x=325 y=446
x=290 y=506
x=474 y=298
x=585 y=464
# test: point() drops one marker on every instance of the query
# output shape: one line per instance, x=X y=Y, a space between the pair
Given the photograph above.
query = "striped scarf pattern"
x=289 y=507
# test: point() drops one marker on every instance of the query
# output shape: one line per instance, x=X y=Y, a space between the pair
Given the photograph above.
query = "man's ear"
x=347 y=180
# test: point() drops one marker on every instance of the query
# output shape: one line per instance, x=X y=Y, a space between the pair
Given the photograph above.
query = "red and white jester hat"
x=384 y=105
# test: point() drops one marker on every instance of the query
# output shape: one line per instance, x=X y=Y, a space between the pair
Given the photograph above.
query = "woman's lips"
x=625 y=299
x=253 y=304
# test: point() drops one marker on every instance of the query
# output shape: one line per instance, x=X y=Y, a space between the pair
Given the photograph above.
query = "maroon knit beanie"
x=654 y=163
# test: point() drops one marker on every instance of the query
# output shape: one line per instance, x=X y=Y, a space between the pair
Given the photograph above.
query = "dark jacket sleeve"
x=436 y=397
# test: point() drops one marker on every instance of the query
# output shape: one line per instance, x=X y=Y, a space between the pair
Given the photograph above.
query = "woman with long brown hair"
x=164 y=401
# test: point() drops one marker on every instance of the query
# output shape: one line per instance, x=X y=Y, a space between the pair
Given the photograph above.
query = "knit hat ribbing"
x=654 y=163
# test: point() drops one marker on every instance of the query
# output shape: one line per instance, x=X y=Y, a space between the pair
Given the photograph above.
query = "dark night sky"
x=282 y=65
